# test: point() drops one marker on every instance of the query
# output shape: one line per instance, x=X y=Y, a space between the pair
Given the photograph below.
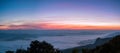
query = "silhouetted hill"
x=113 y=46
x=98 y=42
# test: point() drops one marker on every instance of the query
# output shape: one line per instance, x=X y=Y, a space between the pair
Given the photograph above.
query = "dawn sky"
x=60 y=14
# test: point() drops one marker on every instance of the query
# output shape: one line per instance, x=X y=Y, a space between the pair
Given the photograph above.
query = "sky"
x=60 y=14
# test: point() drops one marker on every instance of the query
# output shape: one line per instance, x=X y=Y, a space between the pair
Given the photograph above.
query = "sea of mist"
x=62 y=39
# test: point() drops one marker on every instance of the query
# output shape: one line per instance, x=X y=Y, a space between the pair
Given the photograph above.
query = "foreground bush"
x=37 y=47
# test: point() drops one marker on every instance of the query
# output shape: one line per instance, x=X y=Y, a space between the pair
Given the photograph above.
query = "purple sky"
x=59 y=13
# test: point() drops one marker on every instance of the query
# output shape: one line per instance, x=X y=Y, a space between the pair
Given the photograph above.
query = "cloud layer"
x=57 y=26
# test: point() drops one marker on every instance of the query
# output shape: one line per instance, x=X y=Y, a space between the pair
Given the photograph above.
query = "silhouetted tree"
x=21 y=51
x=9 y=52
x=38 y=47
x=41 y=47
x=75 y=50
x=85 y=50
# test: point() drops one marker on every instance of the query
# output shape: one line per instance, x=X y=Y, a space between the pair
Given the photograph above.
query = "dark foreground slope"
x=113 y=46
x=98 y=42
x=104 y=45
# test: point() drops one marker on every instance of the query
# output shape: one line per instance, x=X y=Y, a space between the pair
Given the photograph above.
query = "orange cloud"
x=3 y=27
x=78 y=27
x=14 y=27
x=55 y=26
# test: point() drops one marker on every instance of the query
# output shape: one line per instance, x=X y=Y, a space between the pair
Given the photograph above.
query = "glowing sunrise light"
x=4 y=27
x=62 y=14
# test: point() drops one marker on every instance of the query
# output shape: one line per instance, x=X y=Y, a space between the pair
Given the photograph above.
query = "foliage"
x=9 y=52
x=21 y=51
x=75 y=50
x=38 y=47
x=41 y=47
